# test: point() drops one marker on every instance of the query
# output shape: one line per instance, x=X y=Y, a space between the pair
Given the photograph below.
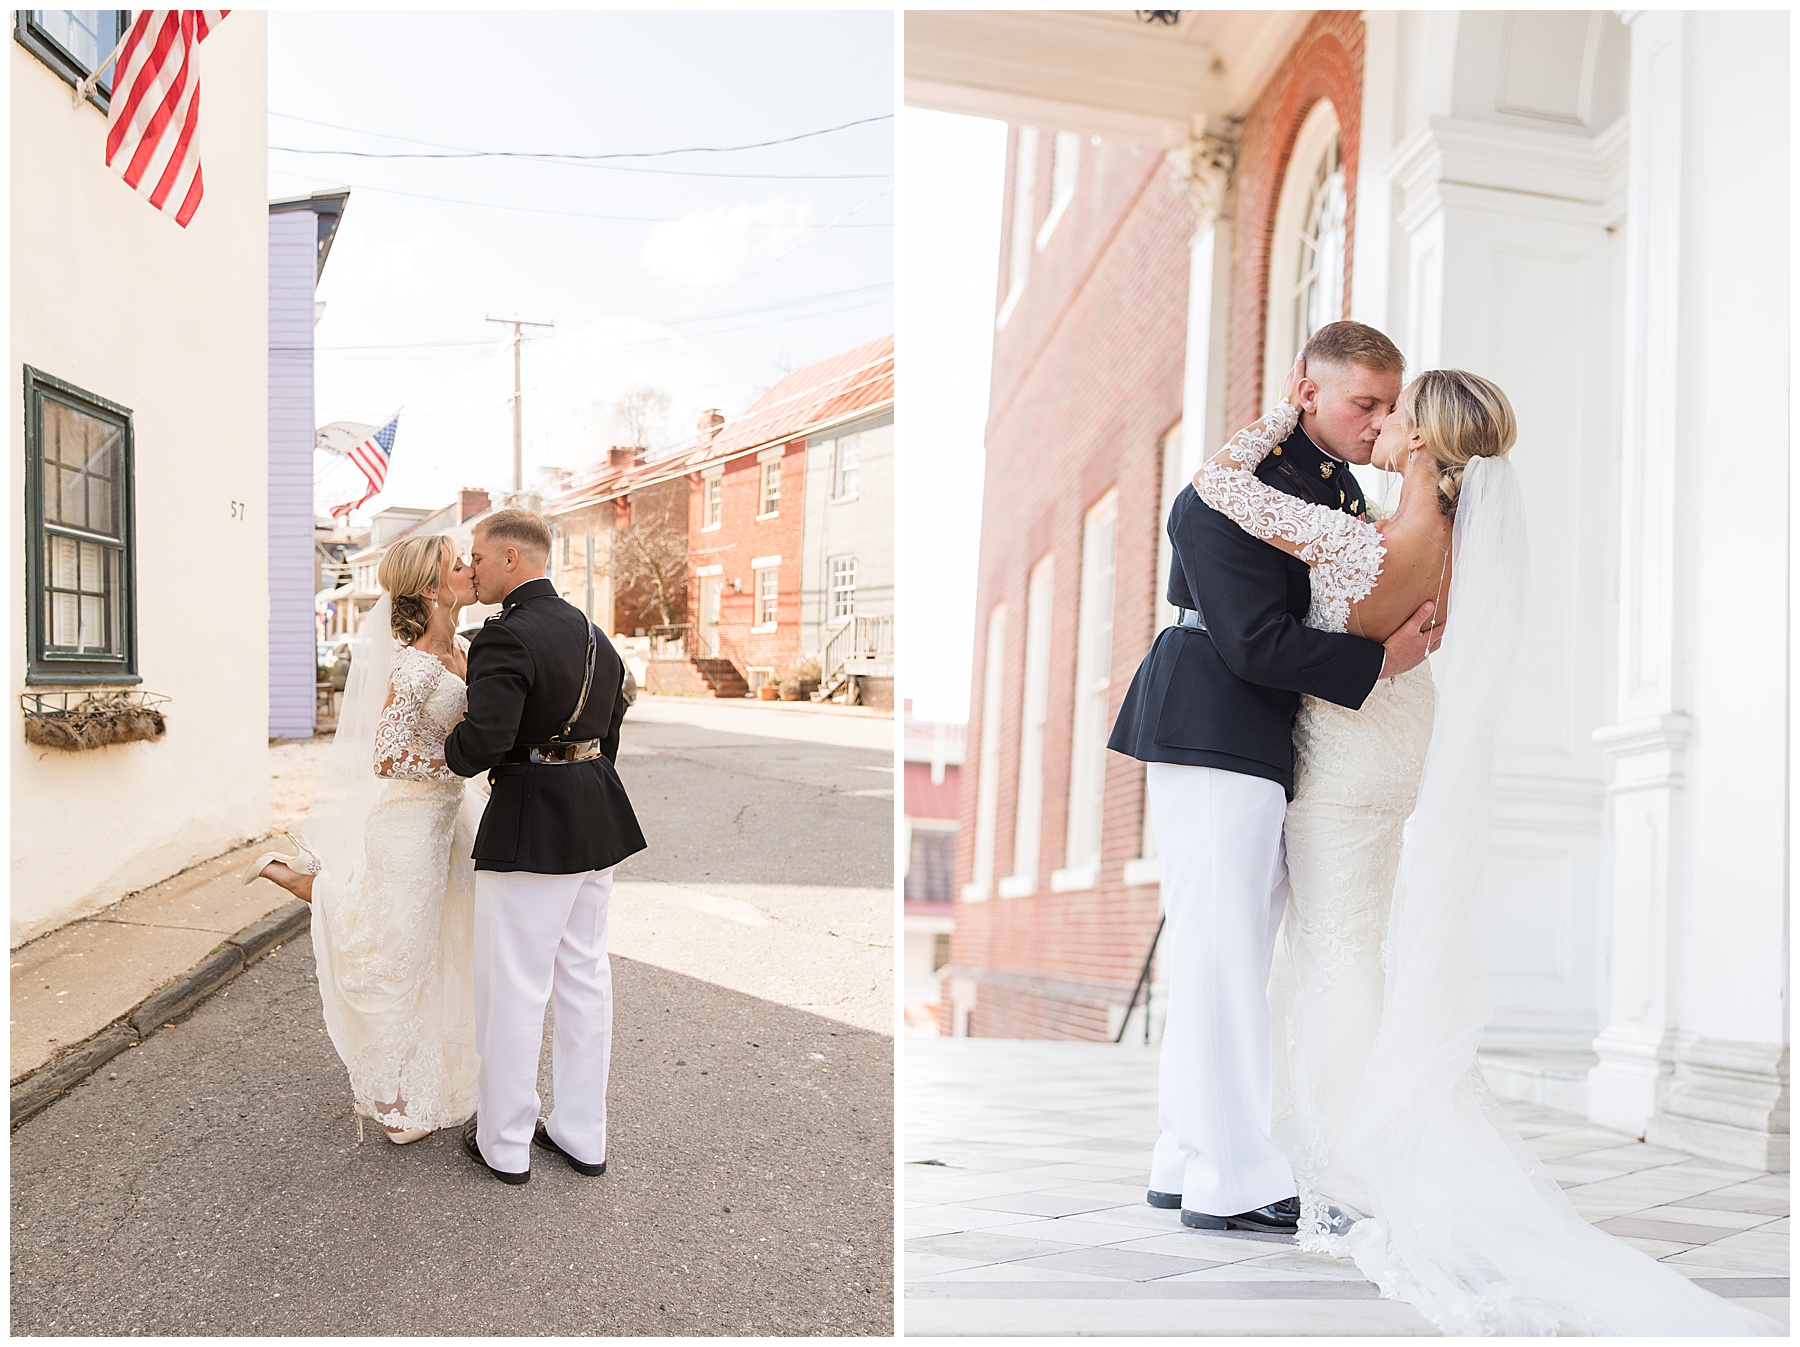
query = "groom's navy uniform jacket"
x=1225 y=695
x=525 y=670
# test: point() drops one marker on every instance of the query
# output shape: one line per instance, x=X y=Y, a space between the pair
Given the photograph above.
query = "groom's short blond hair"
x=522 y=528
x=1352 y=343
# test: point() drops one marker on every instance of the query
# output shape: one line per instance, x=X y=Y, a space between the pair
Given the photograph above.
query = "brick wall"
x=1326 y=62
x=1087 y=379
x=741 y=538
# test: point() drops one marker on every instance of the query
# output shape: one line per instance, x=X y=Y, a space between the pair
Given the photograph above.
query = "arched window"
x=1319 y=292
x=1307 y=246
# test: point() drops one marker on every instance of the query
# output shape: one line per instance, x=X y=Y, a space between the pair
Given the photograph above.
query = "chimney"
x=710 y=421
x=471 y=503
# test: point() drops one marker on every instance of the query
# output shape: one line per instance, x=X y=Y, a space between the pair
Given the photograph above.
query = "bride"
x=1403 y=1160
x=386 y=860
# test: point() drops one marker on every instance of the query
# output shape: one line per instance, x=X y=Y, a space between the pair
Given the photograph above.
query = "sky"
x=948 y=268
x=712 y=288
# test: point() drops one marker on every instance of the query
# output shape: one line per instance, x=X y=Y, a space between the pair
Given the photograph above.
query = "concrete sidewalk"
x=76 y=980
x=1024 y=1177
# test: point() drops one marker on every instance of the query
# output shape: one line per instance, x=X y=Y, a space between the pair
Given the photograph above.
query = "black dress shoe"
x=1277 y=1218
x=474 y=1149
x=543 y=1138
x=1167 y=1201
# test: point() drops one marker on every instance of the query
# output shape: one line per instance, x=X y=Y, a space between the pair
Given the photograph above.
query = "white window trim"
x=987 y=771
x=1093 y=671
x=1018 y=268
x=1062 y=192
x=712 y=528
x=764 y=563
x=1018 y=886
x=1028 y=807
x=1075 y=879
x=701 y=572
x=845 y=499
x=764 y=628
x=769 y=455
x=1145 y=870
x=1310 y=143
x=772 y=514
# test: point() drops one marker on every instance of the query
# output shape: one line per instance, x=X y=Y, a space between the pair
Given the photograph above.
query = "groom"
x=1211 y=711
x=543 y=722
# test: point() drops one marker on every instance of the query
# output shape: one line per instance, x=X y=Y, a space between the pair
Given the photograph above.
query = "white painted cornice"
x=1498 y=157
x=1101 y=72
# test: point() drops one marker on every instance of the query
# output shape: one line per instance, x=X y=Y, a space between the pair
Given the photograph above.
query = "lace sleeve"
x=1251 y=445
x=396 y=736
x=1345 y=552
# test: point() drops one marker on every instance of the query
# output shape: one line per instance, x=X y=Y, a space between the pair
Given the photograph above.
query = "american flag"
x=372 y=457
x=153 y=122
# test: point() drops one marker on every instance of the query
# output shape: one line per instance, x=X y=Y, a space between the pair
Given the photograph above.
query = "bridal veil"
x=1470 y=1228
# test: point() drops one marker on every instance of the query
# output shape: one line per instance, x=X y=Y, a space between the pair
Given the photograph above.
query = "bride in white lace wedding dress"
x=1379 y=993
x=392 y=828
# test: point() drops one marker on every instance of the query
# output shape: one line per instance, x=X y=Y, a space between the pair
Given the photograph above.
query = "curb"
x=50 y=1082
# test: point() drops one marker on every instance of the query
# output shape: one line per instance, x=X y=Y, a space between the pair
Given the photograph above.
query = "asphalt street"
x=210 y=1181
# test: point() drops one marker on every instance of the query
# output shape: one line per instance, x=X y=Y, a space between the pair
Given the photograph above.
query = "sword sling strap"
x=587 y=682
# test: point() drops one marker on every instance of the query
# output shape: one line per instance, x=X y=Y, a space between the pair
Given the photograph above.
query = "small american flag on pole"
x=372 y=457
x=152 y=125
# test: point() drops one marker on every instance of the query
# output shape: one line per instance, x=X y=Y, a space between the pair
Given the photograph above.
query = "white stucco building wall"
x=110 y=295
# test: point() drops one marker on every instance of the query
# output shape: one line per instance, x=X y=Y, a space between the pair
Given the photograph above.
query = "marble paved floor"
x=1024 y=1174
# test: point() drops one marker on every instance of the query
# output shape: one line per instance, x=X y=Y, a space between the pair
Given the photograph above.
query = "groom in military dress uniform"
x=1211 y=711
x=545 y=702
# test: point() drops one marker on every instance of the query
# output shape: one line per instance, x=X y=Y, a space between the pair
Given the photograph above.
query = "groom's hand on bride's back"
x=1415 y=639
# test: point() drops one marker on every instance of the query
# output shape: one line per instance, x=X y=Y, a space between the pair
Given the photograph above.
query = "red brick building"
x=750 y=601
x=1092 y=374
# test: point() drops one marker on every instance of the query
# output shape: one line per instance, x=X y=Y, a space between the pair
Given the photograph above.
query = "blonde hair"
x=1461 y=417
x=524 y=530
x=409 y=568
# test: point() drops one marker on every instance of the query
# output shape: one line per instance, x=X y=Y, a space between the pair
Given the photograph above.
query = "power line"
x=463 y=152
x=548 y=210
x=801 y=302
x=640 y=341
x=558 y=162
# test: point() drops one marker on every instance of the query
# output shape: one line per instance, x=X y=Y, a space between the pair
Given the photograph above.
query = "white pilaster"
x=1648 y=743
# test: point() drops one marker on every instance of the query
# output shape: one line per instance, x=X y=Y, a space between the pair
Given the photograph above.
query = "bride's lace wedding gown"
x=1404 y=1162
x=395 y=948
x=1356 y=775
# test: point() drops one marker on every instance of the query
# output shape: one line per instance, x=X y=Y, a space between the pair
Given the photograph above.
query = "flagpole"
x=86 y=87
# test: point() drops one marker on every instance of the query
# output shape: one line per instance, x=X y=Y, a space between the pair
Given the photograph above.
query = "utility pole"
x=518 y=399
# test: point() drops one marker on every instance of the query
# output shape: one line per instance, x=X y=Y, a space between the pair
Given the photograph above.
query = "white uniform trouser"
x=1224 y=881
x=538 y=939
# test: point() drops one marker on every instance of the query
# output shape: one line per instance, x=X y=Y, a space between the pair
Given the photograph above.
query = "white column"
x=1648 y=742
x=1712 y=270
x=1202 y=172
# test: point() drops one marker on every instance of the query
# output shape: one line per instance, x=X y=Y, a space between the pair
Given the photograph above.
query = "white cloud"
x=714 y=247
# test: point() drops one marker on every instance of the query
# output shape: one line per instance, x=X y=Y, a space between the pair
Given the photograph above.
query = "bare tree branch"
x=643 y=408
x=650 y=558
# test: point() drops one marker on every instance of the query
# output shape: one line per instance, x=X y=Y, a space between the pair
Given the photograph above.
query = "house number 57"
x=237 y=509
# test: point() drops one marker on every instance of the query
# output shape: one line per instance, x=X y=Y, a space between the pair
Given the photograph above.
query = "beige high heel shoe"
x=302 y=862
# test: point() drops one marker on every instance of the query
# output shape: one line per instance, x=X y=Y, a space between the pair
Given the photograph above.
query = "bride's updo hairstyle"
x=1461 y=416
x=409 y=568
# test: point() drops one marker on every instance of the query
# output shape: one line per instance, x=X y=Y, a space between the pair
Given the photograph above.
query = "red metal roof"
x=821 y=394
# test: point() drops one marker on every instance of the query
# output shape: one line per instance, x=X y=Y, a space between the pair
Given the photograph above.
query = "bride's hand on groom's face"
x=1290 y=391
